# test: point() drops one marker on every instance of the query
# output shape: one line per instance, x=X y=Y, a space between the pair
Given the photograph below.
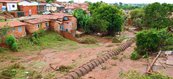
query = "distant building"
x=29 y=8
x=8 y=5
x=41 y=7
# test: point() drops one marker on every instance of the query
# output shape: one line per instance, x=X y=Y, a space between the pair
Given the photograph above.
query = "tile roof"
x=10 y=1
x=61 y=15
x=36 y=21
x=11 y=24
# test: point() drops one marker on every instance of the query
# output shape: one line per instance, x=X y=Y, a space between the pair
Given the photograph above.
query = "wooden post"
x=149 y=70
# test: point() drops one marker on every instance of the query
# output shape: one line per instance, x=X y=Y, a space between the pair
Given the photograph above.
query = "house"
x=16 y=28
x=9 y=5
x=34 y=25
x=58 y=7
x=29 y=8
x=51 y=7
x=41 y=7
x=70 y=24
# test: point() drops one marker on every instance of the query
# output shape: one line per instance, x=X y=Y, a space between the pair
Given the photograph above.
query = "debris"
x=149 y=70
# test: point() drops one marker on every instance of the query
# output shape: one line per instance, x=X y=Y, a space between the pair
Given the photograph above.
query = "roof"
x=12 y=24
x=15 y=1
x=51 y=17
x=42 y=3
x=26 y=3
x=61 y=15
x=36 y=21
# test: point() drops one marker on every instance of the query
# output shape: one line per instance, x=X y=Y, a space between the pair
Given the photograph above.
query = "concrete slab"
x=169 y=60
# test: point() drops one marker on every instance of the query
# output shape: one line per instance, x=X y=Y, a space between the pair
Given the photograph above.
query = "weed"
x=115 y=40
x=137 y=75
x=134 y=55
x=88 y=40
x=64 y=68
x=11 y=71
x=11 y=41
x=114 y=57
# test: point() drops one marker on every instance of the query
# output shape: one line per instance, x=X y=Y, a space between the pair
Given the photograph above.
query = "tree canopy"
x=137 y=16
x=108 y=13
x=158 y=15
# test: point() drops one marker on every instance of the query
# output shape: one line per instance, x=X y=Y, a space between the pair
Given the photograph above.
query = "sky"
x=125 y=1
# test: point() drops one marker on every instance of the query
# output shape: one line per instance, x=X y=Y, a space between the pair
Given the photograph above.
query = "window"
x=38 y=25
x=62 y=27
x=13 y=6
x=13 y=29
x=19 y=29
x=47 y=25
x=66 y=30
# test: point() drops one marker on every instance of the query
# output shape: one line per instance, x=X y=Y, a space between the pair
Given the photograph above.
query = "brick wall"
x=55 y=26
x=31 y=28
x=1 y=6
x=15 y=31
x=26 y=9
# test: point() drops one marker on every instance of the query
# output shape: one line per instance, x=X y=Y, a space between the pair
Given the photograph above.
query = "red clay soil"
x=114 y=67
x=75 y=58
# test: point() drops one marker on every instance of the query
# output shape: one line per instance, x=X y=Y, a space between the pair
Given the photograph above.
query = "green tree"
x=110 y=14
x=50 y=1
x=137 y=16
x=157 y=15
x=71 y=1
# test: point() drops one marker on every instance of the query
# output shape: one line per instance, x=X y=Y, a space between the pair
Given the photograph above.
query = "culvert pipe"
x=92 y=64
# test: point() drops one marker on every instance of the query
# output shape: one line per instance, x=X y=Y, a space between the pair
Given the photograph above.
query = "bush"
x=137 y=75
x=9 y=73
x=11 y=42
x=115 y=40
x=147 y=41
x=134 y=56
x=14 y=46
x=153 y=40
x=88 y=40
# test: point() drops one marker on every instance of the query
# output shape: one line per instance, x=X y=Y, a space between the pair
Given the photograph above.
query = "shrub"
x=11 y=42
x=152 y=40
x=14 y=46
x=137 y=75
x=134 y=56
x=88 y=40
x=115 y=40
x=147 y=40
x=9 y=73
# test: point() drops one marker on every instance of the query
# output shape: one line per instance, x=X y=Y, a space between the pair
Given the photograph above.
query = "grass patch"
x=134 y=56
x=48 y=39
x=88 y=40
x=137 y=75
x=17 y=71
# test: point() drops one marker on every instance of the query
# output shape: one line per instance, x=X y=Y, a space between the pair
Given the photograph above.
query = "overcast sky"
x=125 y=1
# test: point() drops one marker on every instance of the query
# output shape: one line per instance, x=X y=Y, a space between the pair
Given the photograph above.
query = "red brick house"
x=29 y=8
x=16 y=28
x=55 y=22
x=35 y=25
x=69 y=22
